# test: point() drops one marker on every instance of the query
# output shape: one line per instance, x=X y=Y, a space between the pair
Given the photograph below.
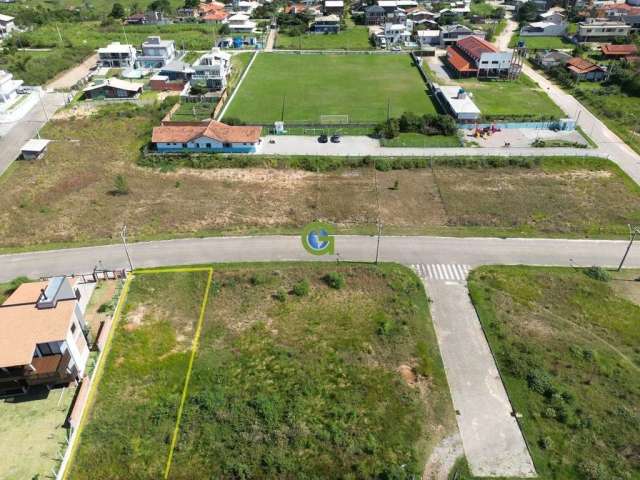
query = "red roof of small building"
x=458 y=61
x=295 y=8
x=618 y=50
x=621 y=8
x=210 y=7
x=214 y=129
x=475 y=46
x=581 y=65
x=215 y=16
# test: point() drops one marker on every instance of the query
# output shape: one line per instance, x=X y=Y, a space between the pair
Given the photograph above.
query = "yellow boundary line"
x=194 y=350
x=100 y=368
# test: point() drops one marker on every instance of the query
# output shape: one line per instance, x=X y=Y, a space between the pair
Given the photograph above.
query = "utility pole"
x=284 y=99
x=126 y=40
x=378 y=243
x=59 y=34
x=633 y=231
x=123 y=235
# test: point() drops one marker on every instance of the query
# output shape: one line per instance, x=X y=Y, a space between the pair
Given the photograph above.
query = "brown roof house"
x=212 y=137
x=609 y=50
x=583 y=69
x=41 y=336
x=474 y=56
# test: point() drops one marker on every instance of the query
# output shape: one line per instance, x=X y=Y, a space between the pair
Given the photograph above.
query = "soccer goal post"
x=334 y=119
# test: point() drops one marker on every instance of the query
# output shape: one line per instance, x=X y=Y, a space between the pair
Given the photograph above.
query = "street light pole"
x=378 y=243
x=123 y=235
x=633 y=231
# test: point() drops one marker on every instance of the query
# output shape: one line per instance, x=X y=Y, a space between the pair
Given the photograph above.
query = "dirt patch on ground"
x=443 y=458
x=135 y=318
x=408 y=375
x=79 y=110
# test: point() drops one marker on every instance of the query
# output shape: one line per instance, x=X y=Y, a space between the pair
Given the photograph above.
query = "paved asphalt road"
x=406 y=250
x=12 y=141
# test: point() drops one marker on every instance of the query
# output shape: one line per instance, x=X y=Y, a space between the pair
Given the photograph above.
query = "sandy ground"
x=69 y=78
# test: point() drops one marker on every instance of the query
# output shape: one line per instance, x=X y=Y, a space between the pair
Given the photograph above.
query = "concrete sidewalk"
x=492 y=440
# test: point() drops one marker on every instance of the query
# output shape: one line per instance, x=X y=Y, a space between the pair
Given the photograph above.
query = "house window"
x=208 y=145
x=227 y=145
x=73 y=328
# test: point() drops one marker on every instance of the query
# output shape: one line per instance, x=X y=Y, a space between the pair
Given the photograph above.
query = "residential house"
x=212 y=69
x=552 y=16
x=148 y=18
x=583 y=69
x=212 y=136
x=8 y=88
x=111 y=88
x=428 y=38
x=389 y=6
x=215 y=16
x=326 y=24
x=457 y=102
x=41 y=336
x=156 y=53
x=242 y=6
x=187 y=13
x=397 y=33
x=240 y=23
x=117 y=55
x=474 y=56
x=450 y=34
x=7 y=25
x=547 y=29
x=421 y=16
x=177 y=71
x=594 y=30
x=374 y=15
x=552 y=58
x=333 y=7
x=611 y=51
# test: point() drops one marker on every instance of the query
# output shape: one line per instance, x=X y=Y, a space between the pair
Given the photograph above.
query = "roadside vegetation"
x=542 y=42
x=566 y=343
x=135 y=408
x=354 y=38
x=172 y=196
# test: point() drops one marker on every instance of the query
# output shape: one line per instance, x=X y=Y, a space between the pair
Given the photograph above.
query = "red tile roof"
x=210 y=7
x=475 y=46
x=214 y=129
x=215 y=16
x=295 y=8
x=619 y=50
x=458 y=61
x=581 y=65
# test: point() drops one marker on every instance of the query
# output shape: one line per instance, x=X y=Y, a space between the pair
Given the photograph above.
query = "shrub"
x=334 y=280
x=258 y=279
x=301 y=288
x=280 y=295
x=598 y=273
x=384 y=324
x=120 y=185
x=545 y=443
x=540 y=382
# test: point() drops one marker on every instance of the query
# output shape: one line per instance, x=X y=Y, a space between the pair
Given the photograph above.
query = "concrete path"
x=18 y=133
x=492 y=440
x=271 y=40
x=361 y=146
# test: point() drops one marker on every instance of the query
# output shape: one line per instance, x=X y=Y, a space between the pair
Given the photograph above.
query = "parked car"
x=396 y=48
x=323 y=138
x=335 y=138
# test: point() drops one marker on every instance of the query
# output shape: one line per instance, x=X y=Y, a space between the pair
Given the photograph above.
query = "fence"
x=548 y=125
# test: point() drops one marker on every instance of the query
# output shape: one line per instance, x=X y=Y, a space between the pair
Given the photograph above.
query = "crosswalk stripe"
x=442 y=271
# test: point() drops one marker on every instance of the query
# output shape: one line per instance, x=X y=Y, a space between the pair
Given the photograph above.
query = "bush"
x=545 y=443
x=301 y=289
x=540 y=382
x=280 y=295
x=258 y=279
x=120 y=185
x=334 y=280
x=598 y=273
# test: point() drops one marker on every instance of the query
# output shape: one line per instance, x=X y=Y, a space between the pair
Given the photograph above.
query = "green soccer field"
x=360 y=86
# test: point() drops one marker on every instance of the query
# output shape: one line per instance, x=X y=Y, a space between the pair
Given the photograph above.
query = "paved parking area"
x=523 y=137
x=492 y=440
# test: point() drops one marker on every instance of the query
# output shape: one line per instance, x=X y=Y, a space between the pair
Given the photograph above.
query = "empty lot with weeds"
x=70 y=195
x=303 y=370
x=566 y=345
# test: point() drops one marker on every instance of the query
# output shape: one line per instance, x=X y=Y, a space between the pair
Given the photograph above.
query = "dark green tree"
x=117 y=11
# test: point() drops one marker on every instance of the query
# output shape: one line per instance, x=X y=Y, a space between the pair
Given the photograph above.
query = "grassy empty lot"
x=337 y=382
x=32 y=435
x=511 y=99
x=354 y=38
x=66 y=197
x=135 y=408
x=361 y=86
x=542 y=42
x=567 y=348
x=419 y=140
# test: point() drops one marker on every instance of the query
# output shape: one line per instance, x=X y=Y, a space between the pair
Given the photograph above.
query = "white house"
x=240 y=23
x=213 y=68
x=7 y=25
x=396 y=33
x=601 y=30
x=549 y=29
x=457 y=102
x=41 y=336
x=117 y=55
x=552 y=16
x=156 y=53
x=211 y=137
x=8 y=88
x=428 y=38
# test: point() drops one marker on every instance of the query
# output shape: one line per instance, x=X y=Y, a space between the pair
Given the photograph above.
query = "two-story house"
x=212 y=69
x=117 y=55
x=156 y=53
x=41 y=336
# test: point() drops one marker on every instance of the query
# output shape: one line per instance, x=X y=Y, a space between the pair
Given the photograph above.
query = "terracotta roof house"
x=583 y=69
x=215 y=16
x=41 y=336
x=212 y=137
x=474 y=56
x=609 y=50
